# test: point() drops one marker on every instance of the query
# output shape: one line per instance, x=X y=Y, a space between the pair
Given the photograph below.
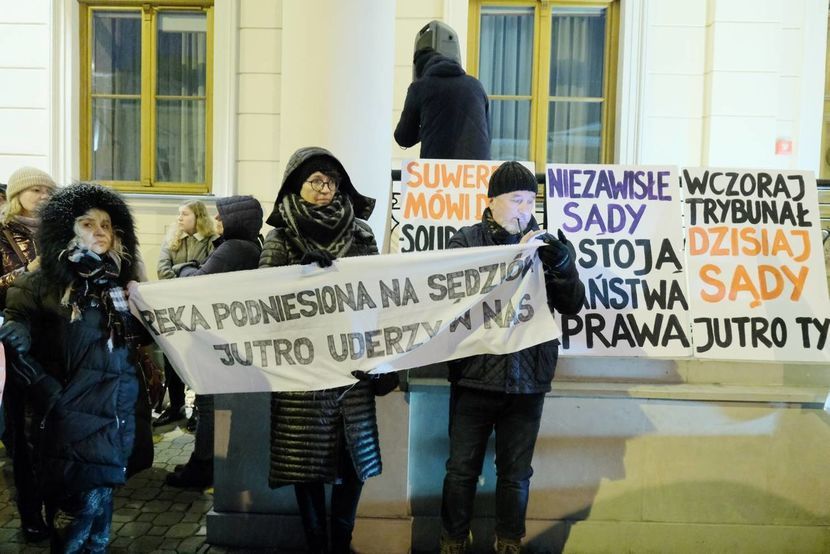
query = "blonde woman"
x=27 y=190
x=69 y=327
x=189 y=244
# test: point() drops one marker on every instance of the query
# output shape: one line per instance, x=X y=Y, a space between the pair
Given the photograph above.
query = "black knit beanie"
x=323 y=164
x=510 y=177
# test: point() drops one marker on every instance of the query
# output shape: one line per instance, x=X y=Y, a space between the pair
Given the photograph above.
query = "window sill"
x=646 y=391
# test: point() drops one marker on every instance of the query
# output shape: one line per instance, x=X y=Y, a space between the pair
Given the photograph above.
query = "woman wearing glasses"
x=327 y=436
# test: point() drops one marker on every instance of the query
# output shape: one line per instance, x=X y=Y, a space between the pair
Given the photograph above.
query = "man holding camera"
x=504 y=392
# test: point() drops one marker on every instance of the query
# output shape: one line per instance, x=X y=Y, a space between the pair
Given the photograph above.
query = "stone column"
x=336 y=92
x=337 y=71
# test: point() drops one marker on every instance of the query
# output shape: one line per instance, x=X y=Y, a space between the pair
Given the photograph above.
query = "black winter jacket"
x=308 y=428
x=526 y=371
x=239 y=246
x=447 y=111
x=88 y=436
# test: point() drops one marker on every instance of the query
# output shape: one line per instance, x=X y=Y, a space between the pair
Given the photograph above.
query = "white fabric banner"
x=755 y=265
x=301 y=328
x=625 y=223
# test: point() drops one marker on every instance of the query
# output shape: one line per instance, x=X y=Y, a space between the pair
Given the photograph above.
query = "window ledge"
x=695 y=392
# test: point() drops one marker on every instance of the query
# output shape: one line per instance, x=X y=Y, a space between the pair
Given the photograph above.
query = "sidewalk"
x=149 y=516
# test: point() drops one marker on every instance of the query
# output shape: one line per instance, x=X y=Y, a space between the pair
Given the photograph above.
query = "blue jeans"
x=474 y=414
x=81 y=523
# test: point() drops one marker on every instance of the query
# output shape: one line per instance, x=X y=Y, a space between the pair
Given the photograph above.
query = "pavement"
x=149 y=515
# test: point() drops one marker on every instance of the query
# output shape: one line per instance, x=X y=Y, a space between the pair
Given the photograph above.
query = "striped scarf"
x=330 y=227
x=97 y=288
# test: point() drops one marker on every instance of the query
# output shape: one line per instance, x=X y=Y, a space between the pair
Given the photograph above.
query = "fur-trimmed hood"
x=57 y=228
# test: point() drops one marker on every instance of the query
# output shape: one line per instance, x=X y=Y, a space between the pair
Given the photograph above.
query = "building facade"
x=634 y=455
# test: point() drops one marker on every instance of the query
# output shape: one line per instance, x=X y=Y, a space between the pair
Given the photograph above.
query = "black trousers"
x=474 y=415
x=345 y=495
x=175 y=386
x=22 y=437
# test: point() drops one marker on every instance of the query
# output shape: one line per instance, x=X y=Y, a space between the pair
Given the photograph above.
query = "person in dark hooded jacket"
x=446 y=110
x=70 y=328
x=326 y=436
x=238 y=248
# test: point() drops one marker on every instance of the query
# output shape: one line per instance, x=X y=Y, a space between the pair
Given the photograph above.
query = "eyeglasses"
x=317 y=185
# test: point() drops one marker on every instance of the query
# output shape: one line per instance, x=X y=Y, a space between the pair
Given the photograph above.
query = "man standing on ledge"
x=504 y=392
x=446 y=110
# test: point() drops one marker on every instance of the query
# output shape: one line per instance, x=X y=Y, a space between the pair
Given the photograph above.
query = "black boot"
x=170 y=415
x=194 y=474
x=34 y=529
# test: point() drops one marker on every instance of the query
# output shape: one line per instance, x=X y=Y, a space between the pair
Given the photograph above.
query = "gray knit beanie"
x=28 y=177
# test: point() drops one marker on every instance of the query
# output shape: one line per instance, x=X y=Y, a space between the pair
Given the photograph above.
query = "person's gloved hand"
x=363 y=375
x=555 y=254
x=320 y=257
x=382 y=383
x=15 y=335
x=44 y=390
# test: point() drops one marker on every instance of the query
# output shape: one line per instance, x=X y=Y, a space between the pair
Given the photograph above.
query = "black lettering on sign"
x=754 y=332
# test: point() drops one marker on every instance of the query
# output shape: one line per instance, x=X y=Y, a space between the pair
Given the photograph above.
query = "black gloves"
x=382 y=383
x=557 y=255
x=320 y=257
x=44 y=390
x=15 y=335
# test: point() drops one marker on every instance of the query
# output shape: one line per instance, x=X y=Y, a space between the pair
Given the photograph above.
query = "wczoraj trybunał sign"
x=755 y=265
x=625 y=224
x=301 y=328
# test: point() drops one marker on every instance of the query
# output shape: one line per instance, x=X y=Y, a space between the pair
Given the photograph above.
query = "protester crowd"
x=78 y=395
x=81 y=383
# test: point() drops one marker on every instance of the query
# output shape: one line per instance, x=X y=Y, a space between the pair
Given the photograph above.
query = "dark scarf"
x=97 y=286
x=499 y=234
x=329 y=228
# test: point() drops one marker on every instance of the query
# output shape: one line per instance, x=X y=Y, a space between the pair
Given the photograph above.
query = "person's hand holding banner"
x=320 y=257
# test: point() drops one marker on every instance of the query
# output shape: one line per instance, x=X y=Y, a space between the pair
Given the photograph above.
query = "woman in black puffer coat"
x=69 y=326
x=327 y=436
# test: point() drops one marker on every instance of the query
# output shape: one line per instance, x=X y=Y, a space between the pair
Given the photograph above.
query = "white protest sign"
x=305 y=328
x=756 y=265
x=437 y=198
x=625 y=224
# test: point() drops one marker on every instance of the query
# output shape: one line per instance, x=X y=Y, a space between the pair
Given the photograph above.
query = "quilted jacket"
x=308 y=428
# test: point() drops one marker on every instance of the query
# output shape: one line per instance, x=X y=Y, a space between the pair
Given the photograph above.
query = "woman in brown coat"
x=27 y=190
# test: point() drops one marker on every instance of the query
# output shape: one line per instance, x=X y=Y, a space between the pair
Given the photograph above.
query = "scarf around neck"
x=31 y=223
x=329 y=227
x=96 y=286
x=499 y=234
